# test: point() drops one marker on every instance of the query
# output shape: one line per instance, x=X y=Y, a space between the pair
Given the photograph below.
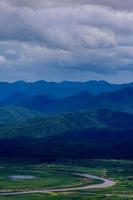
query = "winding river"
x=105 y=183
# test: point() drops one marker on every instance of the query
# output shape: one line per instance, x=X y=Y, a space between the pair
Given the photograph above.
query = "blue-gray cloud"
x=58 y=40
x=128 y=4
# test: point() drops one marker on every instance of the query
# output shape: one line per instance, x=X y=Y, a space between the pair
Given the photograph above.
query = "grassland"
x=52 y=175
x=45 y=177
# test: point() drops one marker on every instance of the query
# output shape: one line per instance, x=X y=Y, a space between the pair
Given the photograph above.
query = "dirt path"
x=106 y=183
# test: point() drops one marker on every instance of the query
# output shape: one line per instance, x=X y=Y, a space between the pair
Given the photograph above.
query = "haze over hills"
x=58 y=90
x=38 y=102
x=47 y=120
x=118 y=100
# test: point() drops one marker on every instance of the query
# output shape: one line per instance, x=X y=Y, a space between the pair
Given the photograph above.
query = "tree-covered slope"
x=78 y=144
x=43 y=127
x=101 y=134
x=16 y=114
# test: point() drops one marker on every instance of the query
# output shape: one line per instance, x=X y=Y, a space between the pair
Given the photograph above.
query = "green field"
x=45 y=177
x=58 y=176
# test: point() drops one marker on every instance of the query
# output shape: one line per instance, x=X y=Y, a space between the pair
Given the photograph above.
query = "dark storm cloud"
x=53 y=39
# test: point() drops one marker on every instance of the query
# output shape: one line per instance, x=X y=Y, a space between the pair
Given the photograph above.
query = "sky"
x=76 y=40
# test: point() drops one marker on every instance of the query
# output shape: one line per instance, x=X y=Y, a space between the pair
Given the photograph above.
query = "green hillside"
x=16 y=114
x=42 y=127
x=101 y=134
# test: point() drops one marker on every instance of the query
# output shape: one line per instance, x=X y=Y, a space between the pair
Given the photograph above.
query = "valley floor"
x=56 y=176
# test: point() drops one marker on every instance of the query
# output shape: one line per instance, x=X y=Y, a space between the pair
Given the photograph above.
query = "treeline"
x=92 y=143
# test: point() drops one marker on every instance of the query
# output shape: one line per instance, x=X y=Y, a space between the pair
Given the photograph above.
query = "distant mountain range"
x=58 y=90
x=121 y=100
x=50 y=120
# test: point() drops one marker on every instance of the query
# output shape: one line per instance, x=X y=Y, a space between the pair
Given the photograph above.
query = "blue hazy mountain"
x=58 y=90
x=38 y=102
x=121 y=100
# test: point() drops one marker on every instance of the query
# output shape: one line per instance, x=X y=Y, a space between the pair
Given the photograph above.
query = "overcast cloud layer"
x=66 y=40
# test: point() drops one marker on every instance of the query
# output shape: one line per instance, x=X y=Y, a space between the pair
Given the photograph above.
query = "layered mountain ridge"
x=121 y=100
x=78 y=120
